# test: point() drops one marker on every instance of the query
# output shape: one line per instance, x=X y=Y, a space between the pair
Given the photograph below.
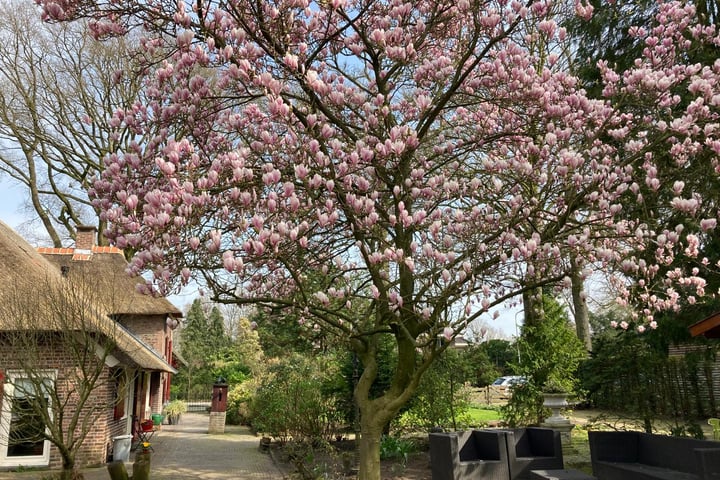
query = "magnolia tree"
x=380 y=168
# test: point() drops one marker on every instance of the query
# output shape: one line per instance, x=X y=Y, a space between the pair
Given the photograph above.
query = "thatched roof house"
x=108 y=264
x=28 y=274
x=70 y=317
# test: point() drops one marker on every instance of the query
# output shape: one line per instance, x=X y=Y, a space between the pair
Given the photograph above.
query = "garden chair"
x=715 y=422
x=531 y=449
x=469 y=455
x=144 y=432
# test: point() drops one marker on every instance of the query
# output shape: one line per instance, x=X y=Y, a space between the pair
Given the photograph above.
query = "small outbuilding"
x=708 y=327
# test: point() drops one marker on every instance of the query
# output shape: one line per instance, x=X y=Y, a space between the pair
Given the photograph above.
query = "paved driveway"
x=186 y=451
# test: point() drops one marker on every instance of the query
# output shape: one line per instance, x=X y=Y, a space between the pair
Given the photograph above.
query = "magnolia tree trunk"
x=376 y=413
x=533 y=306
x=369 y=448
x=374 y=416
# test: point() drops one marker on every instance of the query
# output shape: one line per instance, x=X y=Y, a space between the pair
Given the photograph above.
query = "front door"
x=25 y=409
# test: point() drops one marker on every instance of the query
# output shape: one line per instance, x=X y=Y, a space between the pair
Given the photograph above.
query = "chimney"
x=85 y=238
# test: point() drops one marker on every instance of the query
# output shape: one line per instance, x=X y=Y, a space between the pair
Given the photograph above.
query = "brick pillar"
x=218 y=407
x=217 y=423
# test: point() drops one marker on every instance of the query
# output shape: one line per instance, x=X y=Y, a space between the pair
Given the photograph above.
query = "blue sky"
x=10 y=200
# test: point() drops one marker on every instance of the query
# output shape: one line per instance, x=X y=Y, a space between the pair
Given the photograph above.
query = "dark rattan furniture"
x=533 y=449
x=643 y=456
x=564 y=474
x=475 y=454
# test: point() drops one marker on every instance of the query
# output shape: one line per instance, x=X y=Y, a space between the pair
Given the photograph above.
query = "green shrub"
x=238 y=406
x=174 y=408
x=291 y=402
x=550 y=355
x=525 y=406
x=396 y=448
x=233 y=371
x=441 y=398
x=689 y=429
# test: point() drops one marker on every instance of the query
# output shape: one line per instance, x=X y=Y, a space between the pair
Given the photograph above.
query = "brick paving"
x=186 y=451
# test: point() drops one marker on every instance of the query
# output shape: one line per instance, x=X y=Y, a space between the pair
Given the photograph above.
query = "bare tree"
x=481 y=331
x=63 y=357
x=58 y=91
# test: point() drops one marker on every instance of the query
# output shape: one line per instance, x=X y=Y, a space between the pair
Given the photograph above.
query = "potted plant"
x=173 y=410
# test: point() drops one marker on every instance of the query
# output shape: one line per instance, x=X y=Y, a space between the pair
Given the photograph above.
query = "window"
x=25 y=410
x=120 y=380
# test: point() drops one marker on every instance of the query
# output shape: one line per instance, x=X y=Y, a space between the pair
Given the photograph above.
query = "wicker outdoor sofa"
x=494 y=454
x=643 y=456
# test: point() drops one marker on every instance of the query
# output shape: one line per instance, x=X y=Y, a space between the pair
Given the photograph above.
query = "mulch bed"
x=310 y=462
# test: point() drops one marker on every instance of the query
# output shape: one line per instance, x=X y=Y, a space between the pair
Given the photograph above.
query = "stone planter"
x=555 y=402
x=265 y=444
x=557 y=421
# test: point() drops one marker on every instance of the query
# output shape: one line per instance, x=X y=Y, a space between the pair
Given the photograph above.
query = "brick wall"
x=151 y=329
x=154 y=332
x=85 y=237
x=98 y=409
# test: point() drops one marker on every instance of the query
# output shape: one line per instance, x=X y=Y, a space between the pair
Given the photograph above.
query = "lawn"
x=479 y=415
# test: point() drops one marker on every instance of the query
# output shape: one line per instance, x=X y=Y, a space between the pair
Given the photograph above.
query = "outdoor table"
x=564 y=474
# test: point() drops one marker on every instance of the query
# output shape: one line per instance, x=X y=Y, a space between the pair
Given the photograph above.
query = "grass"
x=479 y=415
x=577 y=456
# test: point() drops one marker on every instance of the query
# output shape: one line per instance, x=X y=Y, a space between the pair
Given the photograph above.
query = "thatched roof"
x=36 y=297
x=108 y=266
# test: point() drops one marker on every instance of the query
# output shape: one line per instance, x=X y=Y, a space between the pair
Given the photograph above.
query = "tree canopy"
x=378 y=168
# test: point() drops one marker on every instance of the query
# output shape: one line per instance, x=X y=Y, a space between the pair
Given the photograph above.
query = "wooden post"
x=117 y=470
x=141 y=466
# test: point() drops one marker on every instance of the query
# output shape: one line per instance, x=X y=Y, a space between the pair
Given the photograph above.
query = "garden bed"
x=416 y=465
x=337 y=460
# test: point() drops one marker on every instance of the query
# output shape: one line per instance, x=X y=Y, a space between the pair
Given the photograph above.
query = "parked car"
x=509 y=381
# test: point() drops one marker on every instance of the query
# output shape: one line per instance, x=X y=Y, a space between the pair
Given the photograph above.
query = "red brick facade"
x=151 y=329
x=155 y=333
x=59 y=361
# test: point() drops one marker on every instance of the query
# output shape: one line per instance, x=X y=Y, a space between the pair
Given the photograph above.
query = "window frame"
x=11 y=377
x=121 y=394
